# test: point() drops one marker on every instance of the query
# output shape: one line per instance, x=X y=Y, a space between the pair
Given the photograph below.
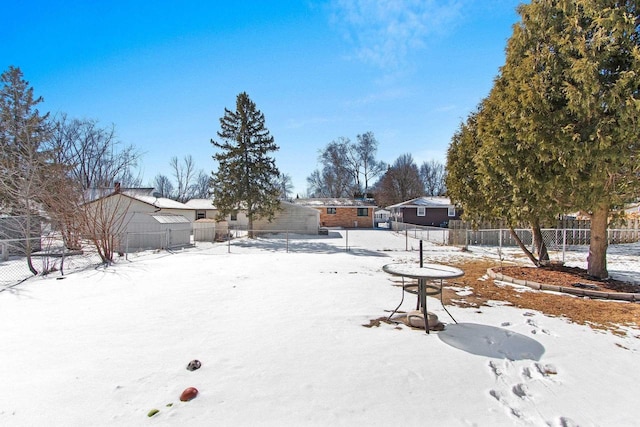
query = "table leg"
x=442 y=302
x=422 y=290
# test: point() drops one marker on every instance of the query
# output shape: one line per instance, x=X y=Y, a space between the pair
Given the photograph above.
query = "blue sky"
x=163 y=72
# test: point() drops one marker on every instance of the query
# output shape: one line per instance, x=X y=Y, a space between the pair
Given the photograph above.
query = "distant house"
x=381 y=216
x=341 y=212
x=632 y=210
x=141 y=221
x=204 y=208
x=291 y=217
x=428 y=211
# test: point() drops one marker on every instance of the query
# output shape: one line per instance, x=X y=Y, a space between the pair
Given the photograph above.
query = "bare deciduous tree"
x=184 y=174
x=433 y=175
x=97 y=158
x=366 y=149
x=285 y=185
x=189 y=182
x=347 y=168
x=105 y=221
x=401 y=182
x=201 y=188
x=163 y=185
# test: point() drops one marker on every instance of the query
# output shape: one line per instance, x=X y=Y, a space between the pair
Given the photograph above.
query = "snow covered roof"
x=429 y=202
x=160 y=202
x=170 y=219
x=200 y=204
x=333 y=202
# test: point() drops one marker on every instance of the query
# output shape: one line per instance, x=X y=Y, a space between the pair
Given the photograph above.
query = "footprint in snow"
x=497 y=372
x=563 y=422
x=547 y=369
x=520 y=390
x=508 y=406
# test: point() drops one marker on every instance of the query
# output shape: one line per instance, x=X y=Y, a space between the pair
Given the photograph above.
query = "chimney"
x=116 y=189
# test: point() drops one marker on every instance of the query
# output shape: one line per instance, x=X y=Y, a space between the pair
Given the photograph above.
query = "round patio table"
x=430 y=277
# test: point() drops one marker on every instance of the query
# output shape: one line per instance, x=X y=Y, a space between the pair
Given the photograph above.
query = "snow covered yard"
x=281 y=339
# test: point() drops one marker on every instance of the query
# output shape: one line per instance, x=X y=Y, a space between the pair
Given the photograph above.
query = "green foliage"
x=247 y=176
x=23 y=161
x=463 y=180
x=560 y=130
x=23 y=132
x=572 y=87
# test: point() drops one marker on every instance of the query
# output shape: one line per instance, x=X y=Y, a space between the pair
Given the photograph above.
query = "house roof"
x=333 y=202
x=170 y=219
x=428 y=202
x=92 y=194
x=200 y=204
x=160 y=202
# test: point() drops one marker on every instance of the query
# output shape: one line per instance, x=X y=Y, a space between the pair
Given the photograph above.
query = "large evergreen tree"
x=247 y=176
x=572 y=82
x=463 y=179
x=560 y=129
x=23 y=160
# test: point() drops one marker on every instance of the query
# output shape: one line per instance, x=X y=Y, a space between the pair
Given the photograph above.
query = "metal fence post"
x=406 y=239
x=564 y=242
x=347 y=244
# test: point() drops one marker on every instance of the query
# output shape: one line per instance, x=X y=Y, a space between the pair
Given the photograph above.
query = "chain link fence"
x=558 y=241
x=52 y=258
x=437 y=235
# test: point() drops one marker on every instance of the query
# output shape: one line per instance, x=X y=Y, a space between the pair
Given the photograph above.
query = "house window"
x=451 y=211
x=363 y=211
x=422 y=211
x=331 y=211
x=234 y=217
x=201 y=214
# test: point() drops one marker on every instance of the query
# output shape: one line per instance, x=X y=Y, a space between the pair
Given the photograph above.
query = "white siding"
x=292 y=218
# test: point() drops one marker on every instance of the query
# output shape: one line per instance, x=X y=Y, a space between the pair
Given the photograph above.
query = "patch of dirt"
x=600 y=314
x=568 y=277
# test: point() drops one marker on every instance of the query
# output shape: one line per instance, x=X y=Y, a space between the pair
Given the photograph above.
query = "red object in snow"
x=188 y=394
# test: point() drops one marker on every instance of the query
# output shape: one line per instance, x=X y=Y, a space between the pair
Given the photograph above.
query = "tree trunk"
x=250 y=233
x=28 y=249
x=597 y=259
x=538 y=243
x=522 y=246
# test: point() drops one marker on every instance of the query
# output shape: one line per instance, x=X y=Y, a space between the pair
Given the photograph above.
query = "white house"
x=142 y=221
x=291 y=217
x=381 y=216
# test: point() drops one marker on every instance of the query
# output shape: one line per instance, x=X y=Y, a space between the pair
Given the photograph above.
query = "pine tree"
x=463 y=180
x=247 y=176
x=573 y=91
x=23 y=162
